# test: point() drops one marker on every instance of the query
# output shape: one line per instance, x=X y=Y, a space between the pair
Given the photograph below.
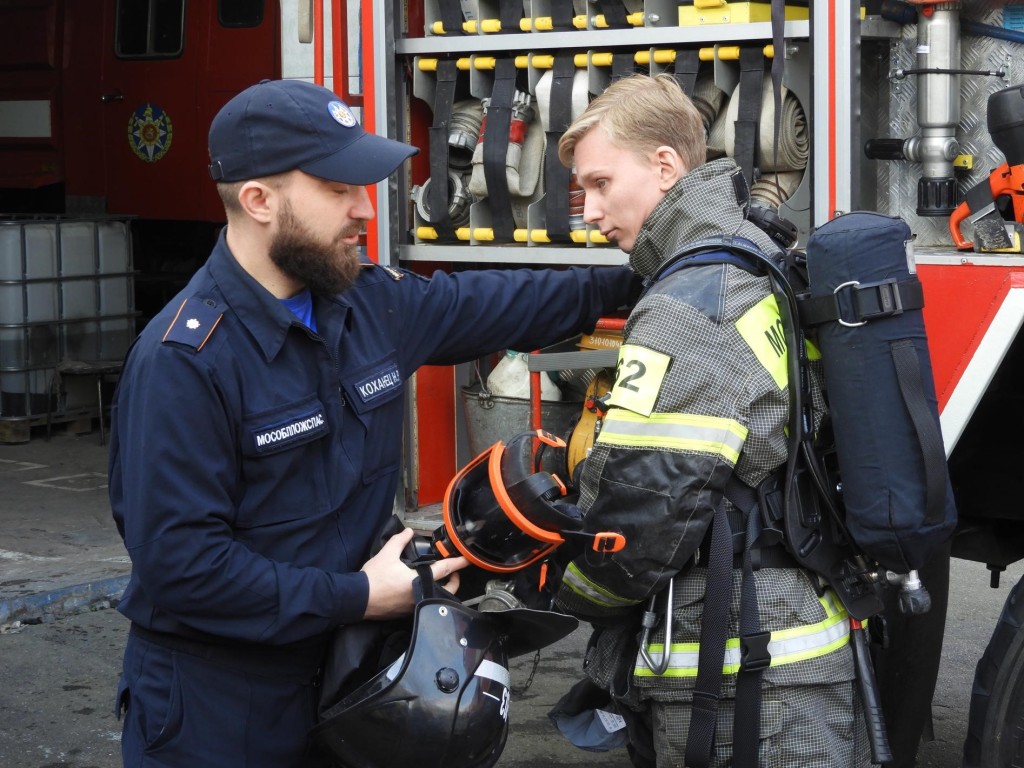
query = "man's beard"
x=326 y=269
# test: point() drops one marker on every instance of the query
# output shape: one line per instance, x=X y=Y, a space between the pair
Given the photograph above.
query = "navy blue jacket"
x=252 y=464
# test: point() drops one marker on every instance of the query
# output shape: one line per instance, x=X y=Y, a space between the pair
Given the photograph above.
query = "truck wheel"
x=995 y=726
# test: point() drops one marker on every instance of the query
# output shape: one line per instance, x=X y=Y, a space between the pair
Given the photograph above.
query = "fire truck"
x=885 y=106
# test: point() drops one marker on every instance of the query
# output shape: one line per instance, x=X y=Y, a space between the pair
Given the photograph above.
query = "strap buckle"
x=754 y=654
x=885 y=300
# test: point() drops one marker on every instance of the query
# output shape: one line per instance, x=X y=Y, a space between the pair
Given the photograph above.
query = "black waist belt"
x=774 y=556
x=299 y=663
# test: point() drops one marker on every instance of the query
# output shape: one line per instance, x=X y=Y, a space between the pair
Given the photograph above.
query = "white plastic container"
x=65 y=294
x=511 y=378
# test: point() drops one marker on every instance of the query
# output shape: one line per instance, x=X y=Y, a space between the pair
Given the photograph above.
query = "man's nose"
x=591 y=210
x=363 y=209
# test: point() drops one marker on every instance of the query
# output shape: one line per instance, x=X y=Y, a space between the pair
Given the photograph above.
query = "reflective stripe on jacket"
x=787 y=646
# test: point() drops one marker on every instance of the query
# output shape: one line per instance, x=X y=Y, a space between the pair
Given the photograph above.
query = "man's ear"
x=255 y=197
x=671 y=167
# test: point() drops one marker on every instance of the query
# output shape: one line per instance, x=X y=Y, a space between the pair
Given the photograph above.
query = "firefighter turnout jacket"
x=700 y=394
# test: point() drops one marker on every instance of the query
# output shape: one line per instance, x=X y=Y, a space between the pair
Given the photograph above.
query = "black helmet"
x=448 y=693
x=501 y=511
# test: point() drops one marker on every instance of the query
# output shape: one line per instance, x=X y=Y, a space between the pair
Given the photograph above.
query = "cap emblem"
x=341 y=114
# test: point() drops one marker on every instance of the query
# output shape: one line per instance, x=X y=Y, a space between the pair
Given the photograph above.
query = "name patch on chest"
x=381 y=383
x=298 y=429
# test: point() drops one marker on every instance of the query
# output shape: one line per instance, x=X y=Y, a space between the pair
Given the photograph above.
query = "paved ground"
x=62 y=566
x=59 y=550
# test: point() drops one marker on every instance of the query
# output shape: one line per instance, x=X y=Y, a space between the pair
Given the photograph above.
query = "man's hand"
x=391 y=579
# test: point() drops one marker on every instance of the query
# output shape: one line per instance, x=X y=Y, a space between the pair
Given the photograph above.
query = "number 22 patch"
x=638 y=377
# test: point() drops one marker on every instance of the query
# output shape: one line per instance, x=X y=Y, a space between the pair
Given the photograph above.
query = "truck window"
x=240 y=13
x=151 y=29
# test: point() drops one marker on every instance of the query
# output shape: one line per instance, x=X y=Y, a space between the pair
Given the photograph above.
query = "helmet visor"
x=480 y=527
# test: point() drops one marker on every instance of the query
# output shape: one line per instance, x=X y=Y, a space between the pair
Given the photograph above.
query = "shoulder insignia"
x=193 y=323
x=394 y=274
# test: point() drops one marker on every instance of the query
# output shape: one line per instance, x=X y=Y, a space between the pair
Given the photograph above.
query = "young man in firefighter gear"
x=256 y=435
x=700 y=396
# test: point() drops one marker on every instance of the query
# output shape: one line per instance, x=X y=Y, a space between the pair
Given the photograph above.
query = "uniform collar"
x=702 y=204
x=266 y=318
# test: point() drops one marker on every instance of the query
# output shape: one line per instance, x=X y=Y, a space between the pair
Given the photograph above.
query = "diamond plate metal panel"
x=897 y=180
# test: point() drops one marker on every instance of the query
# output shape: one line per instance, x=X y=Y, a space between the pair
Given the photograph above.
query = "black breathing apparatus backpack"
x=872 y=487
x=865 y=499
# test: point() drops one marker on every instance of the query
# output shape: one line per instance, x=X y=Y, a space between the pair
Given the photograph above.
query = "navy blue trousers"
x=184 y=709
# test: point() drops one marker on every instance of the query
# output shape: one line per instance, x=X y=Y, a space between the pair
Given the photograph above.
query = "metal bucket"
x=490 y=418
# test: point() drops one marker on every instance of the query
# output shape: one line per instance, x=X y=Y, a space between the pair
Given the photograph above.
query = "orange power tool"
x=980 y=207
x=988 y=204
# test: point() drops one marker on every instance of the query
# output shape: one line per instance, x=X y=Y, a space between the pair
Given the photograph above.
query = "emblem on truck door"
x=150 y=132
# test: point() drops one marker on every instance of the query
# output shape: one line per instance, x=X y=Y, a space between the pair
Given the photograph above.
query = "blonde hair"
x=643 y=113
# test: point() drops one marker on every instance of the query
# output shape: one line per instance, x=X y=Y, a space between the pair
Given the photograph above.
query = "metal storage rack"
x=820 y=74
x=832 y=140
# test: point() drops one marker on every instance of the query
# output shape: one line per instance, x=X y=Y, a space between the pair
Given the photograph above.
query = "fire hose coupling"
x=577 y=202
x=458 y=194
x=522 y=114
x=464 y=132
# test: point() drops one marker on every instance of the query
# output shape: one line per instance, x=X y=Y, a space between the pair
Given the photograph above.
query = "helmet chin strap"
x=425 y=588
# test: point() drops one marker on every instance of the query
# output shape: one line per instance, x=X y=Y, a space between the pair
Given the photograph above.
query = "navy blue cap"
x=285 y=125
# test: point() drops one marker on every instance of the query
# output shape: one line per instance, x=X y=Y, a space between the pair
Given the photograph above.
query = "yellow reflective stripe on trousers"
x=681 y=431
x=588 y=590
x=787 y=646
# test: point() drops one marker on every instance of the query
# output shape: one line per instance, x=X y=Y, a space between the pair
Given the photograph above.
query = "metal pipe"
x=938 y=108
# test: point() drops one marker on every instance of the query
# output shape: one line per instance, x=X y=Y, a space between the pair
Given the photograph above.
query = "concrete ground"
x=59 y=549
x=62 y=566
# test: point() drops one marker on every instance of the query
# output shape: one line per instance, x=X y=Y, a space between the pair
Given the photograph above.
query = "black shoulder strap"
x=714 y=631
x=712 y=250
x=754 y=660
x=754 y=655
